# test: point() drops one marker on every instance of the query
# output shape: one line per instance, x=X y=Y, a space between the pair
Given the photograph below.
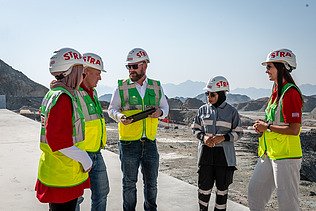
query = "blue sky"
x=185 y=40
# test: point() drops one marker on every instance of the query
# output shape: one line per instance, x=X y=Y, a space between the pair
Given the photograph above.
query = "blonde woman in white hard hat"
x=63 y=166
x=217 y=126
x=280 y=153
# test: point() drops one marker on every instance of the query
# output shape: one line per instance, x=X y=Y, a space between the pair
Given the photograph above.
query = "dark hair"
x=282 y=73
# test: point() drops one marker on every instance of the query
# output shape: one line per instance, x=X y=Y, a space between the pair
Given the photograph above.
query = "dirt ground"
x=178 y=158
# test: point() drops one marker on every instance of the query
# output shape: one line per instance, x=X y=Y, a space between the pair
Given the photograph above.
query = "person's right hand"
x=126 y=121
x=208 y=140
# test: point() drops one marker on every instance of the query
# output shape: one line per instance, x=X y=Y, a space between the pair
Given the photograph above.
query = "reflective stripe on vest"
x=279 y=146
x=95 y=127
x=132 y=103
x=49 y=101
x=56 y=169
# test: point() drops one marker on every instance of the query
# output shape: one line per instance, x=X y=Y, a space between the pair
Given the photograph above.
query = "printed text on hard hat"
x=141 y=53
x=71 y=55
x=280 y=54
x=222 y=84
x=91 y=60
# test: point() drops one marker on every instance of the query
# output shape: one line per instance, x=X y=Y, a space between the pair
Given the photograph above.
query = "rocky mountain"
x=253 y=93
x=186 y=89
x=19 y=89
x=231 y=98
x=105 y=97
x=193 y=88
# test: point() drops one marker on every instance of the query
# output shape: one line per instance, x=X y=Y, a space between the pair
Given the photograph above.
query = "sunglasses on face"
x=134 y=66
x=211 y=94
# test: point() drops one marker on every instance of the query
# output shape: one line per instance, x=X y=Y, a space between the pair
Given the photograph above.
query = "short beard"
x=137 y=76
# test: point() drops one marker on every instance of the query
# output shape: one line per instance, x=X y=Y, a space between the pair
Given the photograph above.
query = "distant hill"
x=105 y=97
x=15 y=83
x=231 y=98
x=186 y=89
x=308 y=89
x=19 y=89
x=253 y=93
x=194 y=88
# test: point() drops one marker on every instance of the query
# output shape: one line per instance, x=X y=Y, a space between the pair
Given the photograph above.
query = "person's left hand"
x=211 y=141
x=217 y=139
x=156 y=114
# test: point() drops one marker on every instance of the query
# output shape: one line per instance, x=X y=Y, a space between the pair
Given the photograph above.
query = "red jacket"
x=59 y=136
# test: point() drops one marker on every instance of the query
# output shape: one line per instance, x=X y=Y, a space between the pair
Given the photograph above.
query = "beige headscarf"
x=70 y=82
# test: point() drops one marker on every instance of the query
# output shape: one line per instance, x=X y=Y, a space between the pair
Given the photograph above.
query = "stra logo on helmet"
x=71 y=55
x=137 y=55
x=222 y=84
x=91 y=60
x=141 y=54
x=280 y=54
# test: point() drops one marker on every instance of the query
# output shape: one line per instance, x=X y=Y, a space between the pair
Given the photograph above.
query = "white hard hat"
x=64 y=59
x=216 y=84
x=285 y=56
x=94 y=61
x=137 y=55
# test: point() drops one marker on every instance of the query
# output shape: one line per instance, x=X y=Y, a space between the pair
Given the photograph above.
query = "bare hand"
x=156 y=114
x=260 y=126
x=125 y=120
x=211 y=141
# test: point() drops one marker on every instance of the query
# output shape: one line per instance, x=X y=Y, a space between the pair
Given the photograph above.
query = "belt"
x=144 y=139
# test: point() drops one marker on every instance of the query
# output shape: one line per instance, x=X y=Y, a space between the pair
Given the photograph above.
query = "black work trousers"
x=222 y=176
x=67 y=206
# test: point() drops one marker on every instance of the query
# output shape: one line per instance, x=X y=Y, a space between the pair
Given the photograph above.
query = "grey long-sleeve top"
x=223 y=120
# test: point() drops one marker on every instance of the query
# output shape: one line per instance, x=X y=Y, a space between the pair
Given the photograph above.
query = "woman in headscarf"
x=63 y=166
x=217 y=126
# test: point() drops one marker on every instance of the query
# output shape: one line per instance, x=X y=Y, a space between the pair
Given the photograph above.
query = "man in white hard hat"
x=95 y=130
x=137 y=143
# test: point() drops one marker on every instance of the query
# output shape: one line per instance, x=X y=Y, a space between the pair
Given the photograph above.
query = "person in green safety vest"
x=137 y=143
x=279 y=150
x=95 y=131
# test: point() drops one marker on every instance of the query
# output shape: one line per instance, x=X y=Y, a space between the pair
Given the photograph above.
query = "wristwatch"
x=268 y=128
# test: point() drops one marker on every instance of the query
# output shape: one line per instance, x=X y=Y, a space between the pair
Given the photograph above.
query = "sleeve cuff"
x=227 y=137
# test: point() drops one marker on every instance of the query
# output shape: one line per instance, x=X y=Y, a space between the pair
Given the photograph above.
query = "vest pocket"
x=279 y=146
x=132 y=131
x=151 y=127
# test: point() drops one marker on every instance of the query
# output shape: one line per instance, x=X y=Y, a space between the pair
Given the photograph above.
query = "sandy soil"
x=178 y=157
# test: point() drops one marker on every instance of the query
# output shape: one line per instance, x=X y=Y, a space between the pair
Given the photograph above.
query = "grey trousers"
x=268 y=175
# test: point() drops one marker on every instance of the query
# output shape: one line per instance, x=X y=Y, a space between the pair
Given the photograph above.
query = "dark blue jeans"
x=132 y=155
x=99 y=182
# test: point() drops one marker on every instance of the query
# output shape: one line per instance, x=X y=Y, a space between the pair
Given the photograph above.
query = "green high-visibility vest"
x=95 y=127
x=132 y=103
x=55 y=169
x=279 y=146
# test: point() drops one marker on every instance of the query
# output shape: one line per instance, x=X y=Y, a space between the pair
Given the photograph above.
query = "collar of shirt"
x=141 y=88
x=89 y=91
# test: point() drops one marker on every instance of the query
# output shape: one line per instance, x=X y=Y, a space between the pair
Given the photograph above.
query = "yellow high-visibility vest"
x=132 y=103
x=95 y=127
x=279 y=146
x=56 y=169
